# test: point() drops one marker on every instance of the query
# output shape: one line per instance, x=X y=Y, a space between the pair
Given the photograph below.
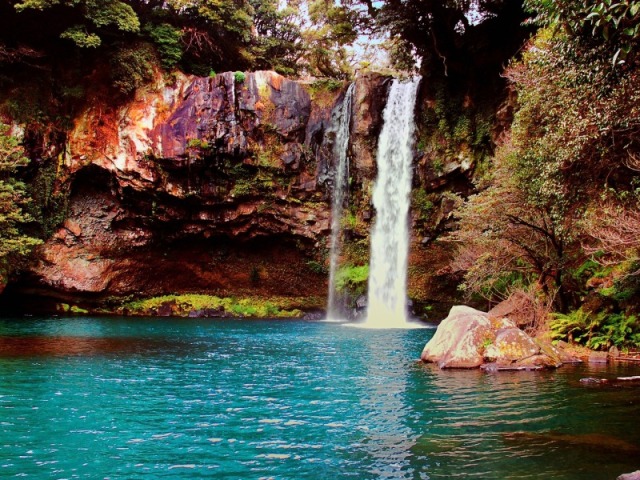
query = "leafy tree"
x=331 y=28
x=276 y=42
x=168 y=41
x=214 y=32
x=510 y=239
x=14 y=243
x=94 y=16
x=196 y=33
x=463 y=38
x=616 y=24
x=615 y=230
x=573 y=145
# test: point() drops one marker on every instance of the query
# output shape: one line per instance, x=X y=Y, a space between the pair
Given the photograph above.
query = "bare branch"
x=632 y=162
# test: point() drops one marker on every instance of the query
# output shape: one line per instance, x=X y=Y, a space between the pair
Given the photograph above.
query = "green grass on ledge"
x=249 y=307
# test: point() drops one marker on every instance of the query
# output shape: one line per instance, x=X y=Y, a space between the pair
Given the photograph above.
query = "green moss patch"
x=207 y=305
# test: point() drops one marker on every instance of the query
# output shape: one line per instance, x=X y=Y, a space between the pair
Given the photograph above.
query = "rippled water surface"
x=157 y=398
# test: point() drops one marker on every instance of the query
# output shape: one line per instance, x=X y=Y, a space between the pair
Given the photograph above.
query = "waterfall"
x=341 y=123
x=391 y=197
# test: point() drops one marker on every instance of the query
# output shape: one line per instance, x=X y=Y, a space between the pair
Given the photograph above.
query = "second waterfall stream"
x=342 y=124
x=387 y=302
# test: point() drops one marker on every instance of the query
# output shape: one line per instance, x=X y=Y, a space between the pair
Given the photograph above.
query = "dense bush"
x=352 y=278
x=167 y=39
x=597 y=330
x=132 y=67
x=616 y=25
x=563 y=191
x=15 y=243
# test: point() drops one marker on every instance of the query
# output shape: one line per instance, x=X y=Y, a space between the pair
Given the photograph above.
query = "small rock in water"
x=558 y=353
x=594 y=381
x=317 y=315
x=490 y=367
x=166 y=309
x=598 y=357
x=207 y=313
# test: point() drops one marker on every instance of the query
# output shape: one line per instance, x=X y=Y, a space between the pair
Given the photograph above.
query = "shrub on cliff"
x=353 y=279
x=167 y=39
x=14 y=242
x=132 y=67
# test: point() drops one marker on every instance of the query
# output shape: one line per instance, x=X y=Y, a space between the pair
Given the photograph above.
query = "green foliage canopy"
x=192 y=35
x=95 y=15
x=167 y=39
x=454 y=37
x=276 y=43
x=616 y=24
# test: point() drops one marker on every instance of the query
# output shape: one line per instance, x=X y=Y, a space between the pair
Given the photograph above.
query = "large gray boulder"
x=469 y=338
x=459 y=340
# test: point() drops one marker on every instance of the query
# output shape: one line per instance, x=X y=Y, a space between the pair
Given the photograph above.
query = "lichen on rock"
x=459 y=340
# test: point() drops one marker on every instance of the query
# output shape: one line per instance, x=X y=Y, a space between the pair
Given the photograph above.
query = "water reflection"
x=50 y=346
x=389 y=439
x=53 y=326
x=534 y=425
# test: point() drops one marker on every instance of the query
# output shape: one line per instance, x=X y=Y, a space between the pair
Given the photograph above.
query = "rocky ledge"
x=469 y=338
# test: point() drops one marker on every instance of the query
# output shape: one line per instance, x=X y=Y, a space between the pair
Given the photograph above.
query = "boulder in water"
x=460 y=339
x=314 y=315
x=469 y=338
x=598 y=357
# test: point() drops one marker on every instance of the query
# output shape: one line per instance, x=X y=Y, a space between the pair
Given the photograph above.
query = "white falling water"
x=391 y=197
x=341 y=175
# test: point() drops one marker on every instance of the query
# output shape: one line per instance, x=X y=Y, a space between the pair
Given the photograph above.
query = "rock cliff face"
x=222 y=185
x=218 y=185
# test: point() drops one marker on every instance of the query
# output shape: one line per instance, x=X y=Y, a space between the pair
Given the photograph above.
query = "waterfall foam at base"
x=342 y=123
x=387 y=292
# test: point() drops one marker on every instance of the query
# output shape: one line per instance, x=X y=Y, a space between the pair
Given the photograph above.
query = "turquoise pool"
x=166 y=398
